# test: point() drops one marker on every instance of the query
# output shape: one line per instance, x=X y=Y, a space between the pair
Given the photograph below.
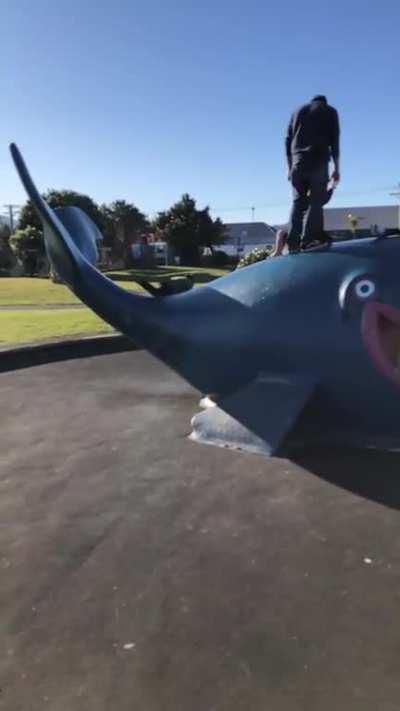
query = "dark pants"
x=309 y=197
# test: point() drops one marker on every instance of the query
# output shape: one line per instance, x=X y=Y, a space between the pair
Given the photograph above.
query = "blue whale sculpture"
x=298 y=350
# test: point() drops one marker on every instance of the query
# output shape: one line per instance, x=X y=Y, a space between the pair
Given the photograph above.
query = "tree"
x=60 y=198
x=187 y=229
x=353 y=220
x=28 y=247
x=123 y=224
x=4 y=233
x=6 y=257
x=211 y=232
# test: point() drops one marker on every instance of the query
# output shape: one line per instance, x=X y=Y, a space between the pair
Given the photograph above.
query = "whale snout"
x=380 y=329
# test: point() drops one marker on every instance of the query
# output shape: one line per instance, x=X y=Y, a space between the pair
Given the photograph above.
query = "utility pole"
x=11 y=209
x=253 y=209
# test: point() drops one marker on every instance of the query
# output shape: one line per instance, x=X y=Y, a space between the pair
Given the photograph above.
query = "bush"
x=221 y=258
x=256 y=255
x=6 y=255
x=28 y=247
x=218 y=259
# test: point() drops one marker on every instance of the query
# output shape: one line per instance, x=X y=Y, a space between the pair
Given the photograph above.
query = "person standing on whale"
x=323 y=238
x=312 y=141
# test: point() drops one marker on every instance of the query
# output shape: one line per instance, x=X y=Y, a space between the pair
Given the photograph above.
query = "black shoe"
x=310 y=244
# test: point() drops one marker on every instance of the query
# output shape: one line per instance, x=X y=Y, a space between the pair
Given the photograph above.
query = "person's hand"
x=335 y=176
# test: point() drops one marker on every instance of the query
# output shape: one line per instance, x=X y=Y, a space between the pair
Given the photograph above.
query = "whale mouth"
x=380 y=328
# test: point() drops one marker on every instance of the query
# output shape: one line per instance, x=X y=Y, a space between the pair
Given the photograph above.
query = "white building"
x=366 y=220
x=242 y=237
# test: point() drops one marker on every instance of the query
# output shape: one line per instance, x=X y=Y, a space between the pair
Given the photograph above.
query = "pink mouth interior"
x=380 y=328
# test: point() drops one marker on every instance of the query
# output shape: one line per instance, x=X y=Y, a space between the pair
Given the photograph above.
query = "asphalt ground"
x=141 y=570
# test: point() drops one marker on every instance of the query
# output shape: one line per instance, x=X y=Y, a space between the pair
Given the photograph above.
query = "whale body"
x=297 y=350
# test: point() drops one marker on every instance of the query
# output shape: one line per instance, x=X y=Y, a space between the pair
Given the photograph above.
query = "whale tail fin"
x=71 y=239
x=70 y=235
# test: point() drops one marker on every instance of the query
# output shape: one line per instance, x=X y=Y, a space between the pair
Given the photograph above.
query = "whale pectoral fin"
x=259 y=417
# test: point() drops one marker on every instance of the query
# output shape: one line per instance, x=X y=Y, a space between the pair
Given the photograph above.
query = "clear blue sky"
x=145 y=100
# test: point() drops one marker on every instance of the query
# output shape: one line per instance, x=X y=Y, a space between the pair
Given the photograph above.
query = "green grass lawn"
x=25 y=291
x=18 y=327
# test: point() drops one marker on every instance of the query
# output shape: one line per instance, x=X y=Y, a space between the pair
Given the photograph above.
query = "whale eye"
x=365 y=288
x=357 y=289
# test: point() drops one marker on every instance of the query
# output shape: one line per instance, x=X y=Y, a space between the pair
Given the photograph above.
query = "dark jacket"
x=313 y=135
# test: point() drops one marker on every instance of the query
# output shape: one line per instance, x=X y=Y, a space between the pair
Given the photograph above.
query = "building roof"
x=249 y=233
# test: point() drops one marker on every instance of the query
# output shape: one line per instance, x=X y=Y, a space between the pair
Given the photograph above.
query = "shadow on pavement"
x=373 y=474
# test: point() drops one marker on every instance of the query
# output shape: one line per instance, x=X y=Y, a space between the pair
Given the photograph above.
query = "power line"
x=396 y=193
x=266 y=205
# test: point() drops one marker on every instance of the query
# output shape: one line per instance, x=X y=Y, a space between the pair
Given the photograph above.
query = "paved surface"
x=140 y=570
